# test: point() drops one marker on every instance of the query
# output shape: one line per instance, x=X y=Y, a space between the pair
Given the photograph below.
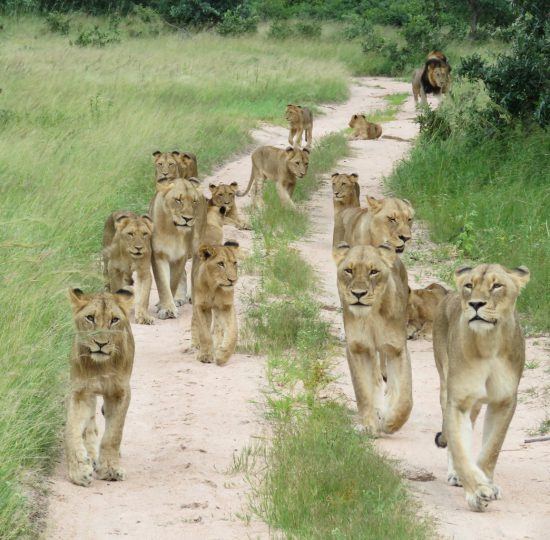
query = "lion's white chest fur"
x=173 y=246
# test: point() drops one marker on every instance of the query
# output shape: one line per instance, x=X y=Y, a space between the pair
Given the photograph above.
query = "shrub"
x=357 y=26
x=280 y=30
x=58 y=23
x=237 y=21
x=309 y=29
x=98 y=37
x=143 y=21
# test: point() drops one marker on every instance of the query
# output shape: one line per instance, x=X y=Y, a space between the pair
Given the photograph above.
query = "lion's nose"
x=404 y=238
x=477 y=305
x=358 y=294
x=100 y=344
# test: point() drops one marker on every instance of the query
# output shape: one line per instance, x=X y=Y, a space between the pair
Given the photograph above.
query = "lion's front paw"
x=182 y=301
x=110 y=471
x=205 y=358
x=244 y=226
x=453 y=479
x=222 y=359
x=482 y=496
x=144 y=319
x=81 y=472
x=168 y=313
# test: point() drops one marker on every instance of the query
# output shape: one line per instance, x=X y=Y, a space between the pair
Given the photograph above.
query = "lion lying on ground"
x=282 y=166
x=479 y=352
x=101 y=364
x=223 y=197
x=300 y=120
x=363 y=129
x=214 y=323
x=345 y=194
x=373 y=295
x=172 y=165
x=127 y=249
x=177 y=209
x=434 y=78
x=421 y=310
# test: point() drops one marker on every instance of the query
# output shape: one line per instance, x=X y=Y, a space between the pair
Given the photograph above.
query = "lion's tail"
x=250 y=182
x=393 y=138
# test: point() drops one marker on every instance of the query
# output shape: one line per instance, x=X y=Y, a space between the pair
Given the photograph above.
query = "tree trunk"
x=474 y=9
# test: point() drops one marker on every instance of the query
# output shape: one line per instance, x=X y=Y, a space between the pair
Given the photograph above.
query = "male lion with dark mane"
x=434 y=78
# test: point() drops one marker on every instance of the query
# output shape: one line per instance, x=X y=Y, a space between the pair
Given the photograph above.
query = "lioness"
x=373 y=295
x=223 y=196
x=479 y=353
x=345 y=194
x=385 y=220
x=421 y=310
x=300 y=120
x=214 y=323
x=176 y=209
x=127 y=249
x=172 y=165
x=283 y=166
x=433 y=78
x=363 y=129
x=101 y=364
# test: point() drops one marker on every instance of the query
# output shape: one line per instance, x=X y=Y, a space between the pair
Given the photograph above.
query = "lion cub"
x=363 y=129
x=300 y=120
x=101 y=364
x=214 y=323
x=127 y=249
x=421 y=310
x=223 y=197
x=345 y=194
x=479 y=353
x=373 y=294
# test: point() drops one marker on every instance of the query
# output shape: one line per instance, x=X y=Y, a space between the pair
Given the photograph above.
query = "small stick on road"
x=537 y=439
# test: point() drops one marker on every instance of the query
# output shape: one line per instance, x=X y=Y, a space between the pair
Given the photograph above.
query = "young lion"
x=127 y=249
x=101 y=364
x=172 y=165
x=214 y=322
x=283 y=166
x=434 y=78
x=373 y=295
x=345 y=194
x=362 y=129
x=479 y=353
x=421 y=310
x=223 y=196
x=177 y=209
x=300 y=120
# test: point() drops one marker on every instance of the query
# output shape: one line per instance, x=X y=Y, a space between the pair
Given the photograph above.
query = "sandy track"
x=187 y=420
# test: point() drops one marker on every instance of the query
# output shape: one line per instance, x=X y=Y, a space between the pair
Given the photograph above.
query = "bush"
x=280 y=30
x=357 y=26
x=143 y=22
x=58 y=23
x=308 y=29
x=237 y=21
x=98 y=37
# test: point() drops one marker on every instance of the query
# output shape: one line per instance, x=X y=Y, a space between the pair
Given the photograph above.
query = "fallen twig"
x=537 y=439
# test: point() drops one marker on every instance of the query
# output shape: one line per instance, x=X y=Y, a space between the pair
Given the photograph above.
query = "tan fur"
x=345 y=194
x=223 y=196
x=300 y=120
x=373 y=294
x=102 y=324
x=127 y=249
x=363 y=129
x=421 y=310
x=172 y=165
x=384 y=221
x=282 y=166
x=479 y=362
x=434 y=77
x=214 y=323
x=179 y=212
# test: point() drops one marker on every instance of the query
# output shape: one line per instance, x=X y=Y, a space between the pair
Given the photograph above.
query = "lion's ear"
x=121 y=221
x=148 y=221
x=461 y=274
x=354 y=117
x=212 y=187
x=353 y=177
x=206 y=252
x=157 y=153
x=306 y=150
x=231 y=244
x=334 y=175
x=175 y=153
x=388 y=254
x=194 y=180
x=375 y=204
x=234 y=186
x=363 y=117
x=125 y=298
x=289 y=150
x=186 y=155
x=77 y=298
x=339 y=252
x=520 y=275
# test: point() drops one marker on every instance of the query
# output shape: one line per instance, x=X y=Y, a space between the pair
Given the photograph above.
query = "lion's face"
x=221 y=264
x=186 y=164
x=134 y=233
x=166 y=166
x=363 y=274
x=488 y=293
x=223 y=195
x=293 y=113
x=101 y=321
x=439 y=73
x=391 y=221
x=181 y=200
x=297 y=161
x=357 y=120
x=344 y=186
x=422 y=306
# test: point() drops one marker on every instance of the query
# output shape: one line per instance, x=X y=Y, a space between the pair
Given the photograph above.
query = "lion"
x=177 y=210
x=223 y=197
x=127 y=249
x=363 y=129
x=373 y=295
x=172 y=165
x=434 y=78
x=385 y=220
x=479 y=352
x=101 y=364
x=300 y=120
x=282 y=166
x=421 y=310
x=214 y=323
x=345 y=194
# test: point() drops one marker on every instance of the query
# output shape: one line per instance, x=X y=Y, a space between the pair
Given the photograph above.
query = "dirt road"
x=187 y=420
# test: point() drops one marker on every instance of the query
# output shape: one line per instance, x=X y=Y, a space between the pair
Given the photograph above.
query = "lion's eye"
x=130 y=234
x=468 y=286
x=374 y=272
x=392 y=219
x=114 y=320
x=496 y=286
x=348 y=271
x=221 y=264
x=90 y=318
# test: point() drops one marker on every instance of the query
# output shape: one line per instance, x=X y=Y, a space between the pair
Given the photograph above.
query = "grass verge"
x=319 y=477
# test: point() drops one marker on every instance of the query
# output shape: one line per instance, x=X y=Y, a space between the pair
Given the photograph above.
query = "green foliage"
x=99 y=37
x=237 y=21
x=143 y=22
x=357 y=27
x=280 y=29
x=58 y=23
x=308 y=29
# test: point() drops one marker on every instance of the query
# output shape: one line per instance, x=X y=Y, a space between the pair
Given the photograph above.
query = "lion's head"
x=297 y=161
x=391 y=221
x=422 y=306
x=363 y=274
x=220 y=264
x=439 y=73
x=223 y=195
x=357 y=120
x=488 y=293
x=345 y=187
x=181 y=201
x=101 y=321
x=293 y=113
x=134 y=234
x=166 y=166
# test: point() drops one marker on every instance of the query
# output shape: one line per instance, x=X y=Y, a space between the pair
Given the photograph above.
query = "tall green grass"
x=78 y=129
